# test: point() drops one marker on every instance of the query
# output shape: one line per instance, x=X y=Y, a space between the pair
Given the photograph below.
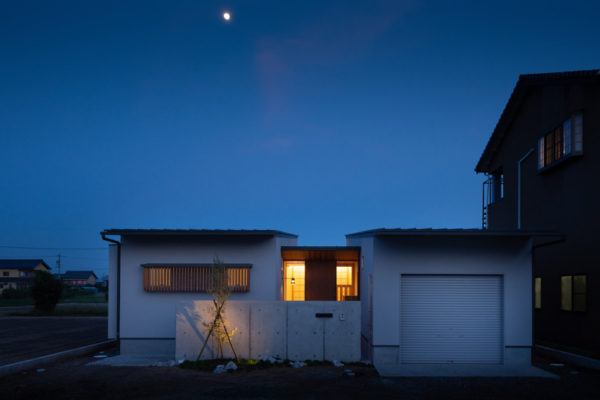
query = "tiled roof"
x=22 y=264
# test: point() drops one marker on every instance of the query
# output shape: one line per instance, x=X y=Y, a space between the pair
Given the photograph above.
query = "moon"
x=226 y=16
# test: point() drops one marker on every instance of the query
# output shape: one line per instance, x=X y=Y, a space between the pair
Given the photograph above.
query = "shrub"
x=45 y=291
x=12 y=293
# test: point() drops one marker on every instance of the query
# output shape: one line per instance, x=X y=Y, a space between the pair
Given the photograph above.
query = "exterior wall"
x=41 y=267
x=509 y=257
x=279 y=282
x=21 y=273
x=282 y=329
x=150 y=317
x=366 y=274
x=12 y=273
x=81 y=282
x=563 y=199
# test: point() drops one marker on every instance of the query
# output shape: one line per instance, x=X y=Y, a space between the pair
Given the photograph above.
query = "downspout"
x=118 y=281
x=519 y=187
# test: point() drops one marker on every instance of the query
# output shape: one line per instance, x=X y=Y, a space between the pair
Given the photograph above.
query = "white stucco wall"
x=365 y=275
x=151 y=316
x=498 y=255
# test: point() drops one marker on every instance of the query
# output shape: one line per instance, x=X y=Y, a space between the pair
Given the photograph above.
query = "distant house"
x=79 y=278
x=19 y=274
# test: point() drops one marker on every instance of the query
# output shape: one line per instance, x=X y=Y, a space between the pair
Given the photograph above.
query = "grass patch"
x=28 y=301
x=97 y=298
x=90 y=298
x=65 y=311
x=358 y=364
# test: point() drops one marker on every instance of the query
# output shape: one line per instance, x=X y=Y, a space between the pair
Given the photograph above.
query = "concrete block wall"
x=288 y=330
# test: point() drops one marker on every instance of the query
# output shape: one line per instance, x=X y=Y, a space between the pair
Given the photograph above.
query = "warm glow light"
x=294 y=281
x=344 y=275
x=345 y=282
x=226 y=16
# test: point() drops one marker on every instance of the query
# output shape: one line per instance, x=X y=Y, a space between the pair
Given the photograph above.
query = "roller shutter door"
x=451 y=319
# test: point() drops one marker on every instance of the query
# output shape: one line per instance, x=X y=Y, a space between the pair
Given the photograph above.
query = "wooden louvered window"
x=192 y=277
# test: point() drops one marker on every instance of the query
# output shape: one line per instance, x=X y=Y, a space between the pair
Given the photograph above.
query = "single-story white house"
x=425 y=296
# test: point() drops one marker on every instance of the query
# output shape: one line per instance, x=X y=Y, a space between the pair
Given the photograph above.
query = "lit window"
x=294 y=277
x=192 y=277
x=561 y=142
x=538 y=293
x=573 y=293
x=346 y=281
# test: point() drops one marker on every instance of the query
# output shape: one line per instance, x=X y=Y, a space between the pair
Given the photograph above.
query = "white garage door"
x=451 y=319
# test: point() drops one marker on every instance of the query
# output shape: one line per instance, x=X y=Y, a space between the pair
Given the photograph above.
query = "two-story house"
x=19 y=274
x=542 y=165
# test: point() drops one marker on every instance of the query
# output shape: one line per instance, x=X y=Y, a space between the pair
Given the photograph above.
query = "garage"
x=446 y=299
x=451 y=319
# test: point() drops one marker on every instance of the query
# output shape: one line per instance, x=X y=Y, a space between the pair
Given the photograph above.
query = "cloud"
x=333 y=36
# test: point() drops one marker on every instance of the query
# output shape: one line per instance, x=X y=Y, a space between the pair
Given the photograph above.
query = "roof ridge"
x=565 y=74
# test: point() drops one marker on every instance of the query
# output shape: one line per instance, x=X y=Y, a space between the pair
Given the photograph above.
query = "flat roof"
x=199 y=232
x=448 y=232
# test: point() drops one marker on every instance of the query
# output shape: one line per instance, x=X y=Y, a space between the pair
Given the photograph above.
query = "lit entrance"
x=320 y=273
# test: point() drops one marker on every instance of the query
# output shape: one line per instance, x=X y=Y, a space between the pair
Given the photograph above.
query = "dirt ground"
x=73 y=379
x=22 y=338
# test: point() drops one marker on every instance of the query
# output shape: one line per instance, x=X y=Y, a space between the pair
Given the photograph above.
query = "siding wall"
x=564 y=199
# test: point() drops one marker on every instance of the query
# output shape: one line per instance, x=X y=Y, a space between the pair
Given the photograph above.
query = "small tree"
x=45 y=291
x=218 y=287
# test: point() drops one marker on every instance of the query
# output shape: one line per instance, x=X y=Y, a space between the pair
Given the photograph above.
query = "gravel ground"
x=74 y=379
x=22 y=338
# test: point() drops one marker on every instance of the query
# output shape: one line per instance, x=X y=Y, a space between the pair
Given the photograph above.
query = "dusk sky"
x=311 y=117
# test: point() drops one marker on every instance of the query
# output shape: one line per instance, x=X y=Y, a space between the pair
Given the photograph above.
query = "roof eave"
x=197 y=232
x=451 y=232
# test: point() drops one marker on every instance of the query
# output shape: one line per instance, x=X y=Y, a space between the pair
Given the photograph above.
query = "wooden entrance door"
x=320 y=280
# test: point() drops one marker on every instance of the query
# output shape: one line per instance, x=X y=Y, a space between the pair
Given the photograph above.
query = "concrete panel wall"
x=150 y=315
x=288 y=330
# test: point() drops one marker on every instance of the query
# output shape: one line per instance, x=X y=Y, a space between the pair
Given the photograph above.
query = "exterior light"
x=293 y=282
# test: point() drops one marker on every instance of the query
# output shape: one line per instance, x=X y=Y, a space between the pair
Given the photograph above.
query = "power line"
x=52 y=248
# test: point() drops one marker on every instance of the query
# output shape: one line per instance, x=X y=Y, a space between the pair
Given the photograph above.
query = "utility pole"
x=58 y=265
